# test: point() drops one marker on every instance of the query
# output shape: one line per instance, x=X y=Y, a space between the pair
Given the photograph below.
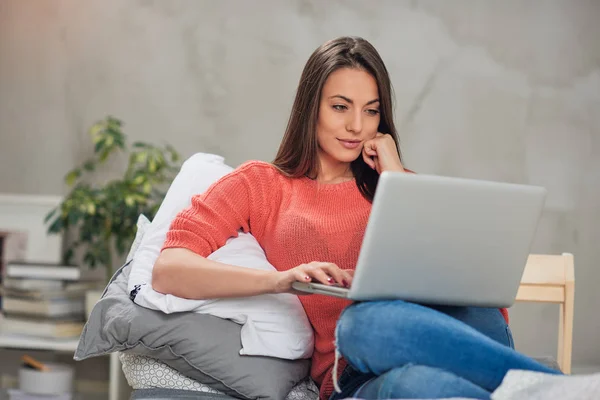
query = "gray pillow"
x=200 y=346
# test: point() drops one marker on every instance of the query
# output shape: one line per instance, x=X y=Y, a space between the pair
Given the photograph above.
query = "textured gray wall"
x=504 y=90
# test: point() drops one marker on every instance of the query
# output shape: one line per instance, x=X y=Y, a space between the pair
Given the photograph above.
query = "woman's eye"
x=339 y=107
x=372 y=112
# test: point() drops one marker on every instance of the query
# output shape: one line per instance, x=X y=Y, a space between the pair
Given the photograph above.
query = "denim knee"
x=356 y=324
x=350 y=336
x=407 y=381
x=348 y=323
x=419 y=381
x=362 y=332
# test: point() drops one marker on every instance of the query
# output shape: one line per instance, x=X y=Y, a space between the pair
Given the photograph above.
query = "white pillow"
x=274 y=325
x=141 y=225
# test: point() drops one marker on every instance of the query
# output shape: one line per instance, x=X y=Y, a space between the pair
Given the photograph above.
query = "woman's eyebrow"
x=351 y=101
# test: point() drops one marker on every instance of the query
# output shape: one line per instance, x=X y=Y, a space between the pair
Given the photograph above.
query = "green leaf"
x=96 y=131
x=50 y=215
x=152 y=165
x=113 y=123
x=104 y=155
x=89 y=166
x=141 y=157
x=139 y=180
x=73 y=218
x=56 y=226
x=72 y=176
x=110 y=141
x=99 y=146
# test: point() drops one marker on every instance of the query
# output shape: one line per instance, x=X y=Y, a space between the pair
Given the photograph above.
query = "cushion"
x=197 y=173
x=144 y=372
x=148 y=373
x=200 y=346
x=142 y=226
x=273 y=325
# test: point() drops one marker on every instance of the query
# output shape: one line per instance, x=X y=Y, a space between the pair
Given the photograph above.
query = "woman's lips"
x=350 y=144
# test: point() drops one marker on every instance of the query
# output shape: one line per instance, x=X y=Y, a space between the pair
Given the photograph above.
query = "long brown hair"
x=297 y=155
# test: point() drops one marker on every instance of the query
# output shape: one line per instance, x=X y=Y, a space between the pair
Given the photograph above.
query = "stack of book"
x=45 y=301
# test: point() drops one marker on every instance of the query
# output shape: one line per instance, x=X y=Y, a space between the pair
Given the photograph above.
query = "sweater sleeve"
x=234 y=202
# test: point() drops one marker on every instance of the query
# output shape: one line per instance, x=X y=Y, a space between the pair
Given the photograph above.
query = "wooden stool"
x=551 y=279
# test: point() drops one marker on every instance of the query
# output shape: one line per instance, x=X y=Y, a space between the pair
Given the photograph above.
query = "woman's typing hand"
x=318 y=272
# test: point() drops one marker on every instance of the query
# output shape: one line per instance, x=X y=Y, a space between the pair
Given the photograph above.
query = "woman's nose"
x=354 y=123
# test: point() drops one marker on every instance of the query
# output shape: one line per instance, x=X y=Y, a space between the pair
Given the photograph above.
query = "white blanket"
x=530 y=385
x=273 y=325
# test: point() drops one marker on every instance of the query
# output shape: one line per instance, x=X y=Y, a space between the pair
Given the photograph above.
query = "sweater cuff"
x=187 y=240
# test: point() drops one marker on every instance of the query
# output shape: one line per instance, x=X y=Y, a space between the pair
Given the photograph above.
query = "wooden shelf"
x=32 y=343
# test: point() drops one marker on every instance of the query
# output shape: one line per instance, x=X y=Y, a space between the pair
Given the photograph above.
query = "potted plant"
x=100 y=219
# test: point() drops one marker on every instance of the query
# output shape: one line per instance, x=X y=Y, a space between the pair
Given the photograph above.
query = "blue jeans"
x=397 y=349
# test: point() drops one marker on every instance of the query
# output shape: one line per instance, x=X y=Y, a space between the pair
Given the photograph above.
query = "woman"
x=308 y=210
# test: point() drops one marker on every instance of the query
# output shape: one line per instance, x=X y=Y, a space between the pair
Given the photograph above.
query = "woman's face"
x=348 y=115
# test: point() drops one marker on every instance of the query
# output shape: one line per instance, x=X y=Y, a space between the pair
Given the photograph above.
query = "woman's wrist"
x=270 y=282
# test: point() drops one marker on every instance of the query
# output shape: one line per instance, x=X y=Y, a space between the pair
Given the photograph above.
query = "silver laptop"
x=441 y=240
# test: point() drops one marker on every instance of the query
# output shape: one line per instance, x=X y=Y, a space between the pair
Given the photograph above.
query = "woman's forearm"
x=185 y=274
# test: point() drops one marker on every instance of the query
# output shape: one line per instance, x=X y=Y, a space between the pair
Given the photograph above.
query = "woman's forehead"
x=355 y=84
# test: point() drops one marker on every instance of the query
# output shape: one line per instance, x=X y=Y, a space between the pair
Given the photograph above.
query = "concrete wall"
x=498 y=90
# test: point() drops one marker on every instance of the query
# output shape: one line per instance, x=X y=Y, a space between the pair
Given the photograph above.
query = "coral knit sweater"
x=295 y=220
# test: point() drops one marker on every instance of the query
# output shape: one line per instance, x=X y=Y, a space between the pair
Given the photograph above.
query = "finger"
x=379 y=134
x=377 y=164
x=339 y=275
x=350 y=274
x=347 y=277
x=301 y=275
x=368 y=159
x=320 y=275
x=371 y=145
x=321 y=272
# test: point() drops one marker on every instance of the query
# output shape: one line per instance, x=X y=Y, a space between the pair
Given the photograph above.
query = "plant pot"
x=91 y=298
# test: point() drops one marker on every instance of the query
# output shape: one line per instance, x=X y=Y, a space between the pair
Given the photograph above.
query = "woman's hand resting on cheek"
x=381 y=154
x=318 y=272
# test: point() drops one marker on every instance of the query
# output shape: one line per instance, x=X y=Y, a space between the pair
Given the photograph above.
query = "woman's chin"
x=347 y=156
x=344 y=155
